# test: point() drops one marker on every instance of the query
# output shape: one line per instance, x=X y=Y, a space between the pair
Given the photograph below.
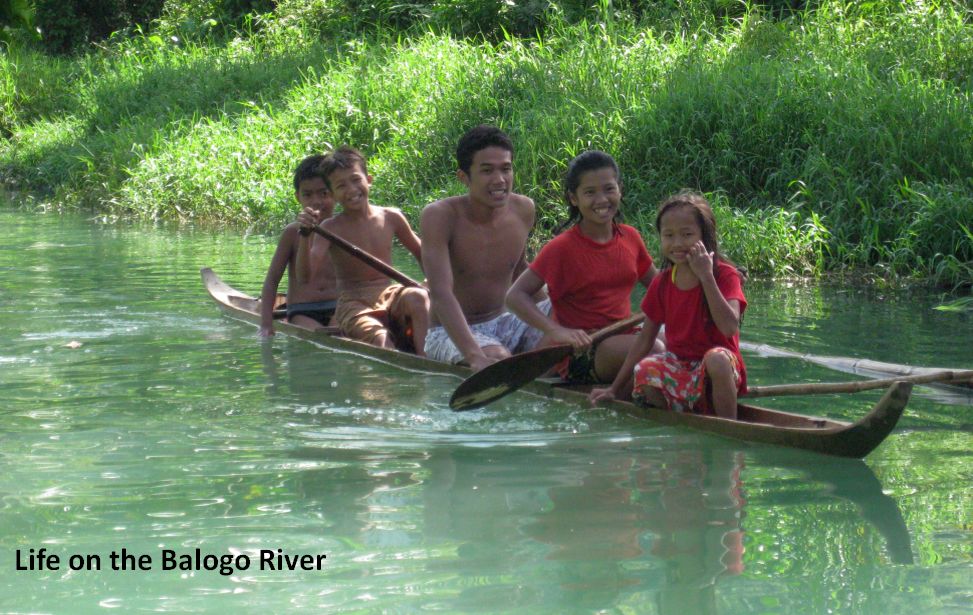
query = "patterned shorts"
x=505 y=330
x=683 y=383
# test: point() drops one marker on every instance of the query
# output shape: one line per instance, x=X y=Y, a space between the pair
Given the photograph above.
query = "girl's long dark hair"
x=590 y=160
x=703 y=213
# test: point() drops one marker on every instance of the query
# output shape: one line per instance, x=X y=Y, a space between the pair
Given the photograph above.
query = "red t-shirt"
x=590 y=283
x=690 y=332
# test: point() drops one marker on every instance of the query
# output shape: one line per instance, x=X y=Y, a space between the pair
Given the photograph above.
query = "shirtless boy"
x=312 y=294
x=474 y=248
x=370 y=308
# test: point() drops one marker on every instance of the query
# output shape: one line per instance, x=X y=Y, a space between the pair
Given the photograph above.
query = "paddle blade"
x=506 y=376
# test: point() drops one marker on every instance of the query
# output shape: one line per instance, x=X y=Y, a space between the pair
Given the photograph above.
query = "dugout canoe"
x=753 y=424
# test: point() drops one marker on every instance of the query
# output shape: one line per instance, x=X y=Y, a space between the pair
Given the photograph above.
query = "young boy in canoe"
x=590 y=271
x=474 y=246
x=370 y=308
x=699 y=297
x=312 y=296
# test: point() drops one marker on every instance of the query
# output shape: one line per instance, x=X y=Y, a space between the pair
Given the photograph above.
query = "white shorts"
x=505 y=330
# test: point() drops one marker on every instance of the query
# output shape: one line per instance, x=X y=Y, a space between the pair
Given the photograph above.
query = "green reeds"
x=837 y=137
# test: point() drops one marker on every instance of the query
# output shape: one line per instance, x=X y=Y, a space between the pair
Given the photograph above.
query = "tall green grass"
x=839 y=137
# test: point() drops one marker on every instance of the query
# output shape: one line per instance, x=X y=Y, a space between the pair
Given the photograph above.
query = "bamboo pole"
x=948 y=376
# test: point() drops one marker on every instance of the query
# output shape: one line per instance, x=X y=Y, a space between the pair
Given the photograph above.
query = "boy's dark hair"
x=591 y=160
x=345 y=157
x=308 y=169
x=479 y=138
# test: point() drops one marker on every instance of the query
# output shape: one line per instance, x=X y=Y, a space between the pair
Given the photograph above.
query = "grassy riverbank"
x=830 y=138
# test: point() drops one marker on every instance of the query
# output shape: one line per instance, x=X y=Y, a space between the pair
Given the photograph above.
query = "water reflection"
x=681 y=508
x=298 y=372
x=339 y=491
x=850 y=480
x=668 y=524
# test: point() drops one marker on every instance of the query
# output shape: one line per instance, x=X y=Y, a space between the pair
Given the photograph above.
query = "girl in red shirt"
x=590 y=270
x=699 y=297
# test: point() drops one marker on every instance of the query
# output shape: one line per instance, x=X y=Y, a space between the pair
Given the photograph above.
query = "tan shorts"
x=363 y=313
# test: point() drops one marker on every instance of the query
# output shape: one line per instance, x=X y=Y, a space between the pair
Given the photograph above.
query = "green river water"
x=169 y=430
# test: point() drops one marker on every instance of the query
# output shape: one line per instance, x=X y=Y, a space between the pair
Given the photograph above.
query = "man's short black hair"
x=479 y=138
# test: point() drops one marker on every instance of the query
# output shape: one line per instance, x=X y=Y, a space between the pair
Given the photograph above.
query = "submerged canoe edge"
x=764 y=425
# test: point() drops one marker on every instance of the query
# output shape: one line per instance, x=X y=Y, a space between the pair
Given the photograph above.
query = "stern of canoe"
x=230 y=300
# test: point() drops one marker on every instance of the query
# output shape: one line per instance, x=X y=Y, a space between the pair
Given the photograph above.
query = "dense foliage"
x=828 y=135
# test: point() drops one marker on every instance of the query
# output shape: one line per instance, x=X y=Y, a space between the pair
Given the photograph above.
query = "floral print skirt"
x=683 y=383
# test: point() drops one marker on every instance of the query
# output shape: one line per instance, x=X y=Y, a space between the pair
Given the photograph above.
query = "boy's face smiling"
x=313 y=193
x=350 y=187
x=491 y=176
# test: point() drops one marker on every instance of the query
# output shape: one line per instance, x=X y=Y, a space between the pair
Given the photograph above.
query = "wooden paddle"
x=508 y=375
x=951 y=376
x=368 y=259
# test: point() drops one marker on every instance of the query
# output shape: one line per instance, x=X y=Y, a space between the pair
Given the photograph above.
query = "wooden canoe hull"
x=754 y=423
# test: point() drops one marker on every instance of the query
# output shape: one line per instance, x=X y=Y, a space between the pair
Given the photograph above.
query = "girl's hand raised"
x=700 y=259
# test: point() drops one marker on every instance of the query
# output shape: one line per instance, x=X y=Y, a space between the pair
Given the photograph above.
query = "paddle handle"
x=619 y=327
x=859 y=385
x=370 y=260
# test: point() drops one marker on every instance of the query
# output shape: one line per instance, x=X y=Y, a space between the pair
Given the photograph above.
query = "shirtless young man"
x=370 y=308
x=311 y=295
x=473 y=249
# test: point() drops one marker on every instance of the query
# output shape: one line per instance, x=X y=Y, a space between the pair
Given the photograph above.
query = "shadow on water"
x=851 y=480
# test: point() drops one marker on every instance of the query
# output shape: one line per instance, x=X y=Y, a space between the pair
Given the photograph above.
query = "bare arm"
x=435 y=226
x=278 y=264
x=304 y=268
x=528 y=213
x=406 y=236
x=650 y=273
x=726 y=314
x=520 y=301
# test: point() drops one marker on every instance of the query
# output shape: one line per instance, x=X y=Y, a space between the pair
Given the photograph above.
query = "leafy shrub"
x=197 y=20
x=69 y=25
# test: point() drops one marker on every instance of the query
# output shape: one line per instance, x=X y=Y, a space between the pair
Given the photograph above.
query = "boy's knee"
x=413 y=299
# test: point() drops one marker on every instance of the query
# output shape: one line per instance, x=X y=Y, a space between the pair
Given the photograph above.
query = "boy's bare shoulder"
x=443 y=213
x=448 y=205
x=335 y=220
x=290 y=234
x=388 y=212
x=523 y=205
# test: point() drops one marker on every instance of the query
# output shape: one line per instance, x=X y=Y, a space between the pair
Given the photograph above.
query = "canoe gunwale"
x=821 y=435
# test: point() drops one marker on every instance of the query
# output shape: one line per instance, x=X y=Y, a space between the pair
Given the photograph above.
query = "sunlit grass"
x=841 y=137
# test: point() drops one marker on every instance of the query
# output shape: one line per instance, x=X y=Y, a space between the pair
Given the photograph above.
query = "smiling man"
x=473 y=248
